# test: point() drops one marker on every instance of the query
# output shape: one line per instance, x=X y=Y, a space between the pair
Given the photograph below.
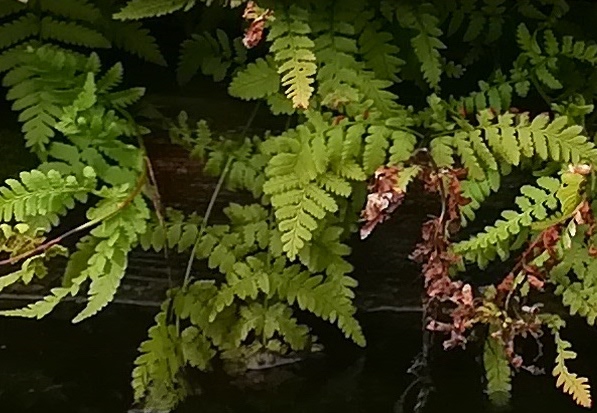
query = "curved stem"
x=46 y=245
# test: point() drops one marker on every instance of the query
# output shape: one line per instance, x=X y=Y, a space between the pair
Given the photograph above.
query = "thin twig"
x=212 y=202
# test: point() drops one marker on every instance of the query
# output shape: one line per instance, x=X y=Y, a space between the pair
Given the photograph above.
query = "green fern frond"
x=32 y=267
x=535 y=203
x=379 y=53
x=497 y=97
x=298 y=200
x=577 y=387
x=497 y=372
x=258 y=80
x=426 y=43
x=293 y=51
x=154 y=378
x=512 y=139
x=125 y=98
x=179 y=233
x=106 y=267
x=18 y=30
x=53 y=78
x=40 y=308
x=71 y=33
x=214 y=56
x=8 y=8
x=141 y=9
x=42 y=194
x=111 y=79
x=330 y=299
x=135 y=39
x=71 y=9
x=478 y=192
x=325 y=253
x=578 y=291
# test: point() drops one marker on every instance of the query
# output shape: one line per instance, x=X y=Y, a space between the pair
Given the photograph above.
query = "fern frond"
x=497 y=97
x=577 y=294
x=41 y=308
x=8 y=8
x=325 y=253
x=513 y=138
x=71 y=33
x=497 y=372
x=179 y=233
x=426 y=43
x=53 y=81
x=535 y=203
x=212 y=55
x=106 y=267
x=135 y=39
x=125 y=98
x=577 y=387
x=111 y=79
x=18 y=30
x=154 y=377
x=71 y=9
x=42 y=194
x=379 y=53
x=141 y=9
x=478 y=192
x=293 y=51
x=258 y=80
x=376 y=147
x=330 y=299
x=299 y=201
x=32 y=267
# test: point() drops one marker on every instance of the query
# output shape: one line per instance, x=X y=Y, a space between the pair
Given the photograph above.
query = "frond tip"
x=577 y=387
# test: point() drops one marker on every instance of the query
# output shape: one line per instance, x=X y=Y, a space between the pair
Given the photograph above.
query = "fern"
x=116 y=235
x=343 y=80
x=535 y=203
x=329 y=299
x=497 y=371
x=477 y=192
x=378 y=51
x=40 y=97
x=155 y=374
x=293 y=175
x=544 y=61
x=577 y=387
x=509 y=141
x=497 y=96
x=72 y=22
x=578 y=294
x=213 y=56
x=48 y=195
x=259 y=80
x=133 y=38
x=140 y=9
x=292 y=51
x=32 y=267
x=426 y=43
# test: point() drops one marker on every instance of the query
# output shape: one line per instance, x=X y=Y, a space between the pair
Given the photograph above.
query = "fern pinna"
x=351 y=143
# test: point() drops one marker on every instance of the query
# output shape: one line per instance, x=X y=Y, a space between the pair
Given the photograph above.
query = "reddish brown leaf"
x=383 y=199
x=257 y=18
x=535 y=282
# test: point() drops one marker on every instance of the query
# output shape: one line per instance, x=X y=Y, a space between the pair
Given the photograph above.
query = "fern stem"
x=212 y=201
